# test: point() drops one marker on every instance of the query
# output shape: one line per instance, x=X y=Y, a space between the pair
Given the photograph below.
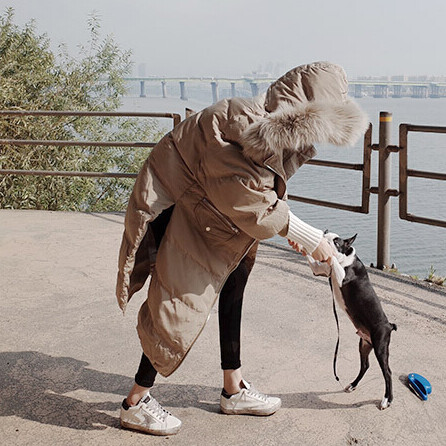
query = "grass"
x=431 y=276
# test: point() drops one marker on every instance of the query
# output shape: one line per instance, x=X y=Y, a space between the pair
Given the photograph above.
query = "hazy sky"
x=234 y=37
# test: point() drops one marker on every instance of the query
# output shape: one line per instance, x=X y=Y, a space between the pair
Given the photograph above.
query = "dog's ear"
x=349 y=242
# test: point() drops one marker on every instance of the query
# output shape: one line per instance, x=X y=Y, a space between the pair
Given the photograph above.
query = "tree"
x=32 y=77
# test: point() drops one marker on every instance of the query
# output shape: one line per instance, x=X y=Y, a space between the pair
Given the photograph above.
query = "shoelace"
x=152 y=406
x=256 y=394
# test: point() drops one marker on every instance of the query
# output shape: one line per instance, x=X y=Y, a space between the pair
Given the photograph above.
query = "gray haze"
x=233 y=37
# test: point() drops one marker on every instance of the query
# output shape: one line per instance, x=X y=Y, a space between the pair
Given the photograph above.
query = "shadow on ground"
x=34 y=386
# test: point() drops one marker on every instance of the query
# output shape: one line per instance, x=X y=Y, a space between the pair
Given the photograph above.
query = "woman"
x=209 y=191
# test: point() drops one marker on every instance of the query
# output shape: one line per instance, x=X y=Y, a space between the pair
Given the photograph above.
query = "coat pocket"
x=213 y=223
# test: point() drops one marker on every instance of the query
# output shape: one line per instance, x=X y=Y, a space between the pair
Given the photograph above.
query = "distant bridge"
x=398 y=89
x=253 y=86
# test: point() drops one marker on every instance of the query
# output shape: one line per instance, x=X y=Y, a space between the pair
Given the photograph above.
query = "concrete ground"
x=68 y=356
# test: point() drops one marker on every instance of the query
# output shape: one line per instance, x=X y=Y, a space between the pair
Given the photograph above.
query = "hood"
x=319 y=81
x=306 y=106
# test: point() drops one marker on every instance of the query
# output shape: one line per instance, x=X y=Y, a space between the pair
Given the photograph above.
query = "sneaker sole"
x=256 y=412
x=136 y=427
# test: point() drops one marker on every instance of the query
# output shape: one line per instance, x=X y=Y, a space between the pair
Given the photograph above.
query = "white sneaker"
x=249 y=402
x=150 y=417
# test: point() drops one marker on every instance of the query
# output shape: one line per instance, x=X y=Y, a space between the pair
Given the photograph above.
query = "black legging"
x=229 y=313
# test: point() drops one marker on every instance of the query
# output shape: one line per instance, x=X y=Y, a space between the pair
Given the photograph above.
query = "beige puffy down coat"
x=225 y=169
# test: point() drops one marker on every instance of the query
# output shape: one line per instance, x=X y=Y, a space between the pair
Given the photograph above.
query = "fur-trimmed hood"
x=306 y=106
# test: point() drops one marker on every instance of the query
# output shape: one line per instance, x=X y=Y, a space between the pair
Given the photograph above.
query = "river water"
x=415 y=248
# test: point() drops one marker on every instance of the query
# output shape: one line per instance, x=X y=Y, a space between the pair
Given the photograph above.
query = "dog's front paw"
x=385 y=403
x=349 y=388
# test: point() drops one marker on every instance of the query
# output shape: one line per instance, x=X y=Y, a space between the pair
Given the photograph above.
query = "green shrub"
x=32 y=77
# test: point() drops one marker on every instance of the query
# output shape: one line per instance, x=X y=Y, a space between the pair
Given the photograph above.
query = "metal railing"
x=383 y=189
x=405 y=173
x=58 y=143
x=365 y=168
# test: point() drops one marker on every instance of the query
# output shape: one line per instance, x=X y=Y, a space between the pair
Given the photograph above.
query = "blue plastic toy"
x=420 y=385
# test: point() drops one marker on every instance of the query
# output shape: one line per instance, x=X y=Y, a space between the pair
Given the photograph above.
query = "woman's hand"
x=297 y=247
x=323 y=252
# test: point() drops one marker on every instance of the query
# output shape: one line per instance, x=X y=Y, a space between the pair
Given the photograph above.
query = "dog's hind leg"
x=381 y=346
x=364 y=351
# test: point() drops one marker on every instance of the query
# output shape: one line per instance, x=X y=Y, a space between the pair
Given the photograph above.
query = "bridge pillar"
x=420 y=91
x=233 y=92
x=381 y=91
x=142 y=88
x=358 y=91
x=163 y=89
x=397 y=91
x=254 y=89
x=435 y=91
x=214 y=86
x=183 y=94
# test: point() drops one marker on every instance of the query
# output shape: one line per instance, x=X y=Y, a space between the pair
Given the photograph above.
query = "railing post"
x=163 y=89
x=384 y=181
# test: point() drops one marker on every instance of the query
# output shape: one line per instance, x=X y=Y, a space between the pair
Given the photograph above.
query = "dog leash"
x=337 y=342
x=335 y=272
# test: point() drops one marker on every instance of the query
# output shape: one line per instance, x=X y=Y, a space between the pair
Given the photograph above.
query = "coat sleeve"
x=252 y=205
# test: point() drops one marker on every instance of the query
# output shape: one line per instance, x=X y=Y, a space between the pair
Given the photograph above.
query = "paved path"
x=67 y=355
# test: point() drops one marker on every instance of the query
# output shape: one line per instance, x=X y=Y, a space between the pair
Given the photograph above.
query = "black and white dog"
x=354 y=293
